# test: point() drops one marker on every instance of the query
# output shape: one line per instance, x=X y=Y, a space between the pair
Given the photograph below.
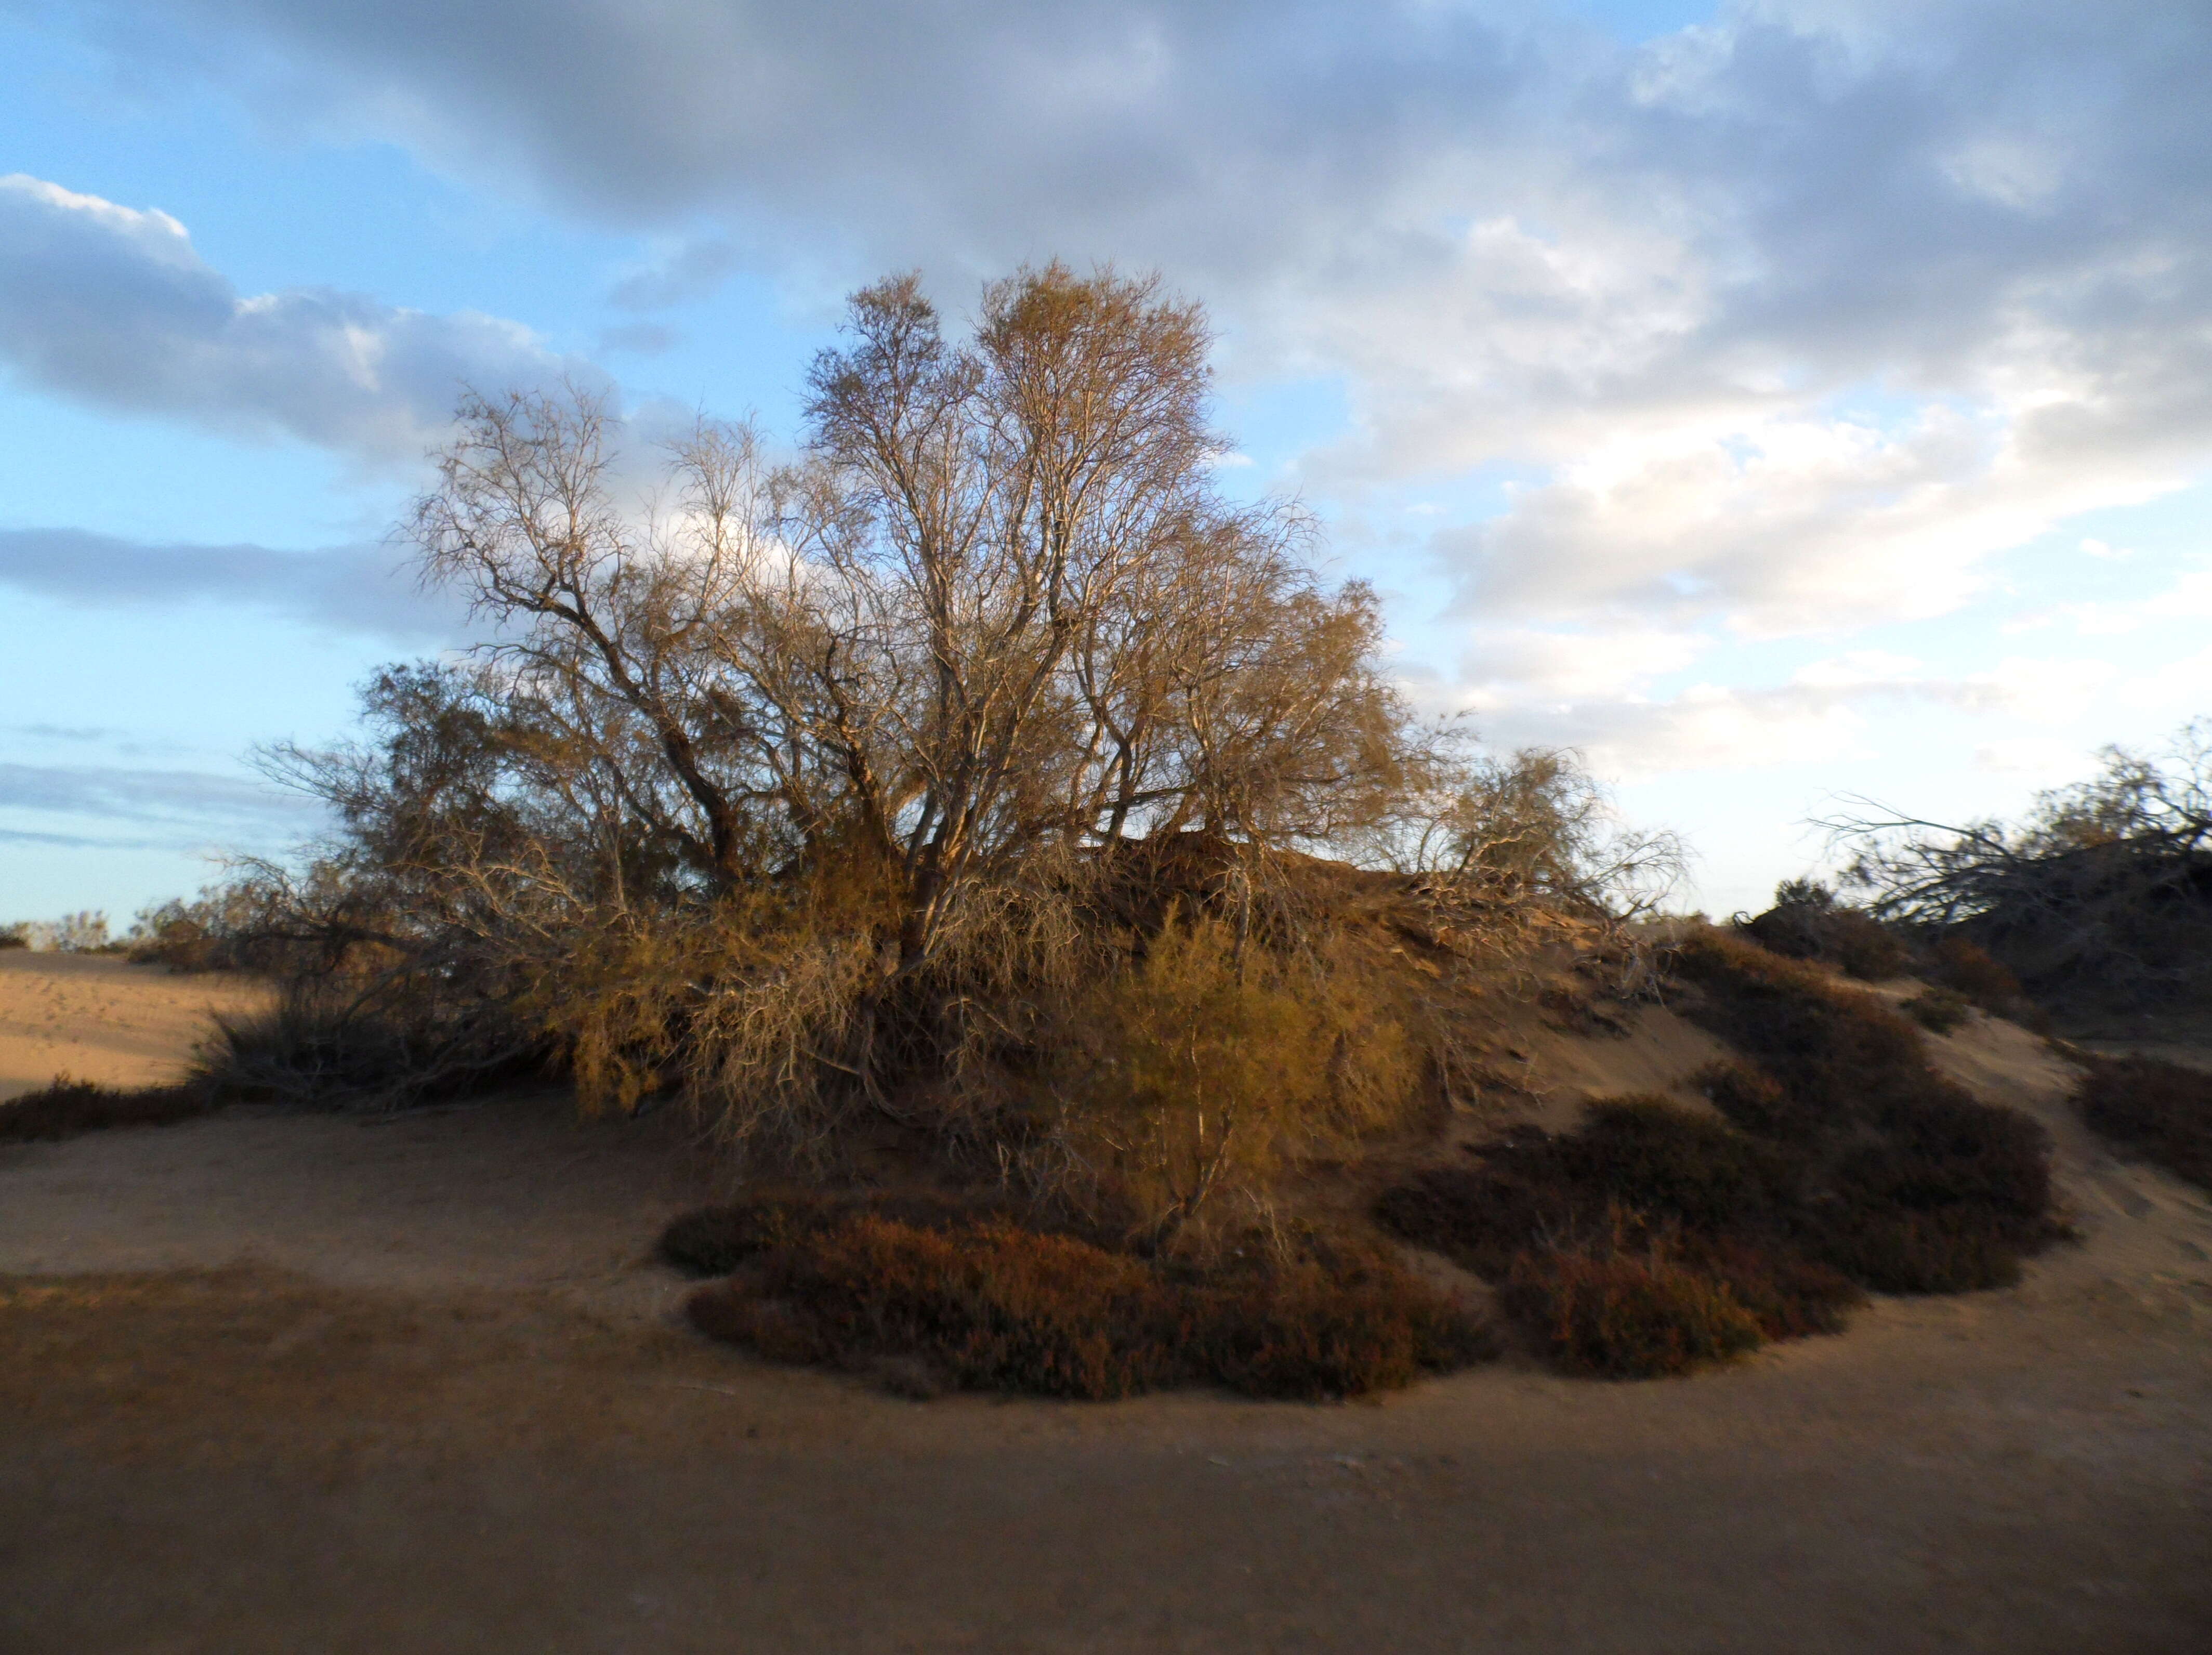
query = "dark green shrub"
x=1938 y=1010
x=1481 y=1215
x=1837 y=1052
x=324 y=1050
x=1940 y=1251
x=1845 y=1163
x=988 y=1305
x=1790 y=1296
x=1677 y=1168
x=2162 y=1111
x=68 y=1109
x=1949 y=1150
x=1626 y=1316
x=1645 y=1163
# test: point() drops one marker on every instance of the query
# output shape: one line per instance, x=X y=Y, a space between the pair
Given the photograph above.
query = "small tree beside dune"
x=873 y=783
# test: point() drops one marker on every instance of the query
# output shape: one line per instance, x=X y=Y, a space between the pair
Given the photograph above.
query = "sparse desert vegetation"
x=1015 y=855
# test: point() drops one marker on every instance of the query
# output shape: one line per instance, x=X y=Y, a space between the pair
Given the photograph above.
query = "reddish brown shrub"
x=1975 y=973
x=992 y=1306
x=1835 y=1050
x=1335 y=1330
x=716 y=1240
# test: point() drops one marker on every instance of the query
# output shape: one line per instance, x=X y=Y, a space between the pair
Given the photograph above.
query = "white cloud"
x=2188 y=599
x=1789 y=323
x=111 y=305
x=357 y=590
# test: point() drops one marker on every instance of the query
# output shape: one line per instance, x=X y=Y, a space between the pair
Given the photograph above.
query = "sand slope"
x=280 y=1383
x=96 y=1018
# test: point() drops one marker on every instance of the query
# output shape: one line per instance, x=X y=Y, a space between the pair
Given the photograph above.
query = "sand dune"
x=276 y=1383
x=96 y=1018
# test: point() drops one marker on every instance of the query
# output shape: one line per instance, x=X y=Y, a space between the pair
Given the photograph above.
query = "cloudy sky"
x=1775 y=400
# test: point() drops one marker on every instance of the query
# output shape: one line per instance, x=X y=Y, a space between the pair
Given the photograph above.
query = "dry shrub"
x=1624 y=1315
x=69 y=1108
x=1202 y=1068
x=1913 y=1185
x=1835 y=1051
x=2163 y=1112
x=1645 y=1206
x=989 y=1306
x=1845 y=1163
x=1807 y=923
x=1789 y=1295
x=1973 y=972
x=319 y=1047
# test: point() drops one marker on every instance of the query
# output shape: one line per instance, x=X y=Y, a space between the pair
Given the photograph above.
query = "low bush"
x=1841 y=1163
x=1789 y=1295
x=1807 y=923
x=1334 y=1328
x=2162 y=1111
x=322 y=1050
x=1934 y=1251
x=1911 y=1185
x=69 y=1108
x=1938 y=1010
x=1973 y=972
x=987 y=1304
x=716 y=1240
x=1835 y=1052
x=1626 y=1316
x=1678 y=1209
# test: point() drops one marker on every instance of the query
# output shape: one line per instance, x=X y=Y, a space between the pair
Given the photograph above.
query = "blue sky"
x=1775 y=400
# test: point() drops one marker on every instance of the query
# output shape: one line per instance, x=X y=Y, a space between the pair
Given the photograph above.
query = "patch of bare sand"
x=1654 y=1051
x=97 y=1018
x=274 y=1383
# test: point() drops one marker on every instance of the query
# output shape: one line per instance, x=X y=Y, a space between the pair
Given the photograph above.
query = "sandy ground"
x=97 y=1018
x=308 y=1384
